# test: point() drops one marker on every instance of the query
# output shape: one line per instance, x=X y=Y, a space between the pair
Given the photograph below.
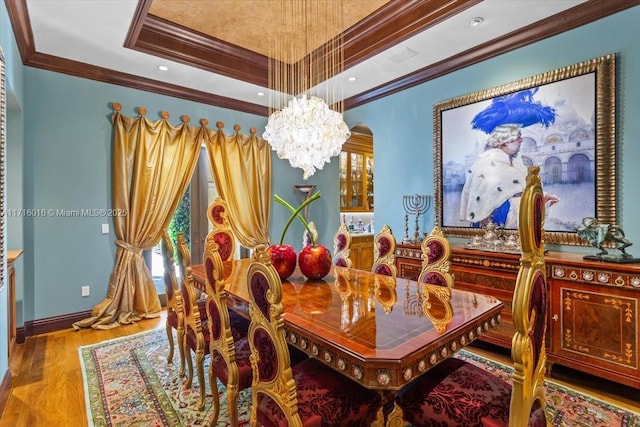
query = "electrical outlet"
x=105 y=228
x=85 y=291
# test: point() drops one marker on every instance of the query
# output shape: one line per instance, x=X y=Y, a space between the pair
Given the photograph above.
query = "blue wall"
x=402 y=124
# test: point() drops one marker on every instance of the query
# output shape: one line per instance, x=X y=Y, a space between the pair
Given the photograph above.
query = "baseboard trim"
x=49 y=324
x=57 y=323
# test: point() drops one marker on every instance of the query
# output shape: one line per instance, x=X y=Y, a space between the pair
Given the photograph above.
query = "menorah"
x=416 y=204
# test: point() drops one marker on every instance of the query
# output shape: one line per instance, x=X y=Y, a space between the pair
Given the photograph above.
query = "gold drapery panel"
x=241 y=168
x=152 y=165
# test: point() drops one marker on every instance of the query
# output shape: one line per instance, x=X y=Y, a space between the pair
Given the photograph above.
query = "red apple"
x=283 y=258
x=315 y=261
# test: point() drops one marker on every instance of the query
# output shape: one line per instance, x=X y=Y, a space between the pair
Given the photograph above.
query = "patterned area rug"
x=128 y=382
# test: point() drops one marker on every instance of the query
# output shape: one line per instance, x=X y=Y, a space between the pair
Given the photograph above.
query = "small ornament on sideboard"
x=495 y=239
x=603 y=236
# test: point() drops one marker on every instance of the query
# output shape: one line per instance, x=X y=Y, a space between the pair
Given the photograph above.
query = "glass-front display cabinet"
x=356 y=174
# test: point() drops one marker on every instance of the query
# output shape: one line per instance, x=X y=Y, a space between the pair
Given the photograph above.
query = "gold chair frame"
x=441 y=266
x=192 y=321
x=390 y=258
x=174 y=300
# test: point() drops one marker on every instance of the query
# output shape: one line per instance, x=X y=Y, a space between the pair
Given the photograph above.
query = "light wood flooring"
x=47 y=388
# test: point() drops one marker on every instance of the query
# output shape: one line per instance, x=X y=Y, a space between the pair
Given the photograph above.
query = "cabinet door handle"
x=555 y=317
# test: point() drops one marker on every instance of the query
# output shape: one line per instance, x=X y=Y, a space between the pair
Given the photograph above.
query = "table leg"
x=395 y=418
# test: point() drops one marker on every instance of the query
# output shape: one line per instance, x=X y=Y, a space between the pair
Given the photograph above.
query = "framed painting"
x=562 y=120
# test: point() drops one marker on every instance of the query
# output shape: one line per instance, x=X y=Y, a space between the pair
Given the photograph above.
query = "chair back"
x=171 y=289
x=222 y=345
x=436 y=252
x=192 y=322
x=222 y=341
x=270 y=360
x=342 y=247
x=217 y=212
x=529 y=307
x=384 y=253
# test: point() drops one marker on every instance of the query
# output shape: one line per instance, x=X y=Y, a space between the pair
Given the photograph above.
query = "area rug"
x=128 y=382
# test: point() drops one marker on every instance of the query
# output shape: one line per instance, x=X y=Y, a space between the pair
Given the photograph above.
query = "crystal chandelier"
x=305 y=51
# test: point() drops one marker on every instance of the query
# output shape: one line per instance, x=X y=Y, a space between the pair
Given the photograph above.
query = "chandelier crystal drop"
x=302 y=127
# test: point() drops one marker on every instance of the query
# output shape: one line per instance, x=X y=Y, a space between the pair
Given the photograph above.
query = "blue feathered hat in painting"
x=517 y=108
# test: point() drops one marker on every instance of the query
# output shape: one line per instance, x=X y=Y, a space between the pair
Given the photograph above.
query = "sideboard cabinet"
x=362 y=251
x=593 y=324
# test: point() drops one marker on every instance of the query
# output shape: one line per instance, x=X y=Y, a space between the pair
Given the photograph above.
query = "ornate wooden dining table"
x=380 y=331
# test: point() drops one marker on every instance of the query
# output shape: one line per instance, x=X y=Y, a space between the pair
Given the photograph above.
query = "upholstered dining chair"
x=309 y=393
x=175 y=316
x=195 y=333
x=229 y=357
x=436 y=252
x=342 y=247
x=217 y=212
x=384 y=253
x=459 y=393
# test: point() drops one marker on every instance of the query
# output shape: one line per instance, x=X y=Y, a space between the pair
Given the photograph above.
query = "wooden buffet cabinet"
x=362 y=251
x=593 y=321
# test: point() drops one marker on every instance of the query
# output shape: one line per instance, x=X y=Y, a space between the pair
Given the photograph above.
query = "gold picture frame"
x=576 y=153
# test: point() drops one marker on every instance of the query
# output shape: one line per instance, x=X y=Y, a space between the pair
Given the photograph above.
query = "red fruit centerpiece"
x=282 y=255
x=314 y=261
x=283 y=258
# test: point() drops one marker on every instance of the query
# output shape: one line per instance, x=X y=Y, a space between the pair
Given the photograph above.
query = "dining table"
x=380 y=331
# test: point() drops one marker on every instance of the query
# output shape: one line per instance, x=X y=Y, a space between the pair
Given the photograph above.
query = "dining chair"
x=175 y=316
x=457 y=392
x=384 y=253
x=228 y=357
x=218 y=212
x=436 y=252
x=308 y=393
x=196 y=335
x=306 y=238
x=342 y=247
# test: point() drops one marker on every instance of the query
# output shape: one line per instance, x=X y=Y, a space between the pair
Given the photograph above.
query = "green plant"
x=181 y=222
x=296 y=213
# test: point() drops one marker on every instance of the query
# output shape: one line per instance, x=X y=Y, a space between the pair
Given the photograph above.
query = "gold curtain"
x=241 y=168
x=152 y=165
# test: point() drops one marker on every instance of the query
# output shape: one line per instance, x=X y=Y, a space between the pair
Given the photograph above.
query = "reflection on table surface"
x=386 y=330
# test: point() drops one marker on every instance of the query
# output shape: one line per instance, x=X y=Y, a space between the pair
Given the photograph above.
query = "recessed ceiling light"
x=476 y=21
x=353 y=79
x=260 y=93
x=163 y=67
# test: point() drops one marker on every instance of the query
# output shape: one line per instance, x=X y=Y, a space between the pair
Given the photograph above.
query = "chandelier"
x=305 y=50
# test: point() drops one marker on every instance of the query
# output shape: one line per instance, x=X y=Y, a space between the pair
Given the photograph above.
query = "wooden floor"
x=47 y=388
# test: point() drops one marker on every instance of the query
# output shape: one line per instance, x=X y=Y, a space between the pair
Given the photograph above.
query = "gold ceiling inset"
x=246 y=23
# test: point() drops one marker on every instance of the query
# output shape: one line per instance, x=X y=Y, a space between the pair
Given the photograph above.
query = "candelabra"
x=417 y=204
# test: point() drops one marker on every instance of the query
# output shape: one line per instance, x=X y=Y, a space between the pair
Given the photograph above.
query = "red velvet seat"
x=461 y=394
x=309 y=393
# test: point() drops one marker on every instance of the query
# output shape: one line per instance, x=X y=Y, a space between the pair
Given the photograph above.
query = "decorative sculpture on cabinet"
x=598 y=235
